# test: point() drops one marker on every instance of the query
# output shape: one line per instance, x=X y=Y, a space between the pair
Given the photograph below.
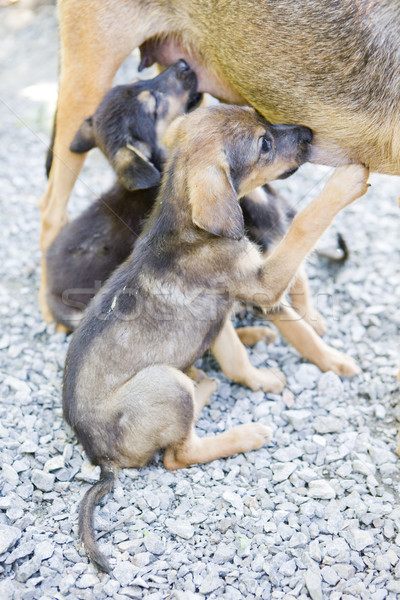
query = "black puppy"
x=128 y=127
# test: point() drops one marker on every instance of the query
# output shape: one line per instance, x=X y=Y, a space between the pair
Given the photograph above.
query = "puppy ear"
x=134 y=169
x=172 y=131
x=215 y=205
x=84 y=138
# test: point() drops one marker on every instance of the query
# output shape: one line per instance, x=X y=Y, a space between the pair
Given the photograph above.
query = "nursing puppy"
x=127 y=126
x=126 y=390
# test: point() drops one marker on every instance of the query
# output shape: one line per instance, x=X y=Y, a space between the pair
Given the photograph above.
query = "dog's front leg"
x=96 y=37
x=270 y=282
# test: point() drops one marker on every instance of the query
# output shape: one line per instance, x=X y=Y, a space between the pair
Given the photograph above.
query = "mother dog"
x=333 y=66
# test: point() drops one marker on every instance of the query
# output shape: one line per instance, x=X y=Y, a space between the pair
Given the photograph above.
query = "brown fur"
x=125 y=390
x=332 y=66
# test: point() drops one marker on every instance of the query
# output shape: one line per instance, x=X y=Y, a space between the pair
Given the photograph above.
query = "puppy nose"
x=305 y=134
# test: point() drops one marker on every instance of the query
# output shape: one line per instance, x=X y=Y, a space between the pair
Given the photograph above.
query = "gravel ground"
x=314 y=514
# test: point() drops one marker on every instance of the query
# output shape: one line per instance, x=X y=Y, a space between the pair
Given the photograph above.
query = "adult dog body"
x=332 y=66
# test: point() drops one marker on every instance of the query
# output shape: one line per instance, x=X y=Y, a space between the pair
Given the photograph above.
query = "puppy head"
x=130 y=121
x=225 y=152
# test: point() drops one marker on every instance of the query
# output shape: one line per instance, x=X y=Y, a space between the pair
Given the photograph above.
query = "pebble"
x=124 y=572
x=43 y=481
x=180 y=528
x=282 y=471
x=313 y=582
x=320 y=488
x=154 y=544
x=359 y=539
x=297 y=418
x=8 y=537
x=210 y=583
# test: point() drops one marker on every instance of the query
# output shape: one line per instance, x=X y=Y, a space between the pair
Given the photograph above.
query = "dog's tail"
x=339 y=254
x=88 y=504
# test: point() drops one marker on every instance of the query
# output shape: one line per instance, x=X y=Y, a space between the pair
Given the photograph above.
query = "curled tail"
x=339 y=254
x=88 y=504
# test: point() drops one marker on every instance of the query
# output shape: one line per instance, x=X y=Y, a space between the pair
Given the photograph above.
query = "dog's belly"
x=331 y=67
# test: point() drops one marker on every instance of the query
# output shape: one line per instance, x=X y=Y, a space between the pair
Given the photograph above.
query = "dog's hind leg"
x=234 y=361
x=300 y=297
x=306 y=341
x=195 y=450
x=93 y=46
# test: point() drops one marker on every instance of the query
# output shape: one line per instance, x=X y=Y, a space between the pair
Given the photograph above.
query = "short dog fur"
x=332 y=66
x=126 y=390
x=127 y=126
x=89 y=248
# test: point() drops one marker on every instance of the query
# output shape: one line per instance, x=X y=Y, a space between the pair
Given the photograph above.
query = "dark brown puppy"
x=127 y=126
x=125 y=390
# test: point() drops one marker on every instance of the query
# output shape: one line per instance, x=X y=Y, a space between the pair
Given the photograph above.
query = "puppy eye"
x=266 y=144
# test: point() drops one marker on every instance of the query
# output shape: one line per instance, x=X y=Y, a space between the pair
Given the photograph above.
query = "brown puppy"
x=125 y=391
x=332 y=66
x=128 y=129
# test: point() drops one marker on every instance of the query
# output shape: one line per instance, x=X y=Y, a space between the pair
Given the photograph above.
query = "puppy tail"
x=339 y=254
x=86 y=511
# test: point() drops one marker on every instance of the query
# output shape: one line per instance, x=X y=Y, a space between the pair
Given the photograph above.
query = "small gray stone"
x=54 y=463
x=297 y=418
x=233 y=499
x=153 y=544
x=29 y=447
x=87 y=580
x=359 y=539
x=20 y=552
x=393 y=586
x=43 y=481
x=16 y=385
x=312 y=580
x=320 y=488
x=180 y=528
x=329 y=575
x=224 y=553
x=44 y=550
x=8 y=537
x=10 y=475
x=288 y=568
x=327 y=425
x=124 y=572
x=210 y=583
x=7 y=590
x=330 y=386
x=27 y=569
x=282 y=471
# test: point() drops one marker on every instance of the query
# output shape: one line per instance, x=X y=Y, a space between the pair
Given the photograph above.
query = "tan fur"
x=314 y=70
x=128 y=388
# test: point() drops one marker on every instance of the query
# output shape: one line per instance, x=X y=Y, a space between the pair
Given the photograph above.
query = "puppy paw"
x=254 y=436
x=207 y=387
x=348 y=183
x=339 y=363
x=268 y=380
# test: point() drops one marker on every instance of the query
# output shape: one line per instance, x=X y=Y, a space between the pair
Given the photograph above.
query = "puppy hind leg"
x=306 y=341
x=234 y=362
x=195 y=450
x=301 y=301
